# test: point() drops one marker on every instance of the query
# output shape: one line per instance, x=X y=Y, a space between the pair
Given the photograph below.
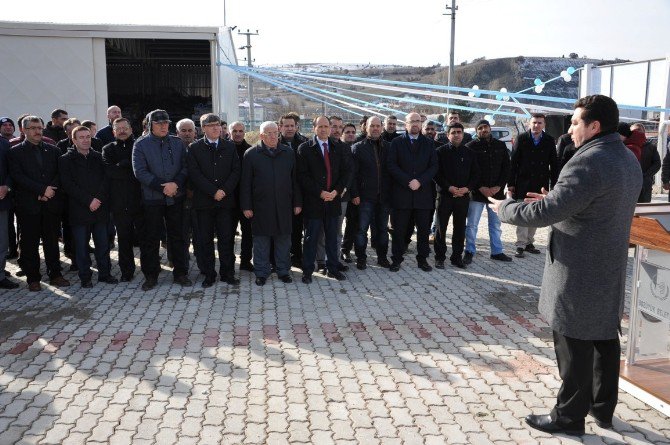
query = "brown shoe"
x=59 y=282
x=35 y=286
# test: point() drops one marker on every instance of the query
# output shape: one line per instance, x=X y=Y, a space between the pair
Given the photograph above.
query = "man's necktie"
x=326 y=158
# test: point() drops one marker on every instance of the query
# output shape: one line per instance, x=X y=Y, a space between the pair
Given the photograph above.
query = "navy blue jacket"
x=157 y=161
x=106 y=135
x=407 y=161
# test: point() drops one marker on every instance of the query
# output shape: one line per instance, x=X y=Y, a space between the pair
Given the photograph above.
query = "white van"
x=501 y=133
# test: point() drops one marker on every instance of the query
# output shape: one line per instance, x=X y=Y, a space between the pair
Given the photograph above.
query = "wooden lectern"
x=646 y=371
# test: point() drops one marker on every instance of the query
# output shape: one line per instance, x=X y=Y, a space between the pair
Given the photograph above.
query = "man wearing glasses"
x=33 y=168
x=412 y=165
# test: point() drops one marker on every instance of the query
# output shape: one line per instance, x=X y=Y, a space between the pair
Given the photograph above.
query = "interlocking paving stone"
x=453 y=356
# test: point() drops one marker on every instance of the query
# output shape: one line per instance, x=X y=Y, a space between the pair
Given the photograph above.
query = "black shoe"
x=246 y=265
x=342 y=267
x=339 y=276
x=439 y=264
x=467 y=258
x=321 y=268
x=6 y=283
x=73 y=268
x=20 y=273
x=8 y=273
x=423 y=265
x=307 y=279
x=501 y=257
x=532 y=249
x=286 y=279
x=458 y=262
x=544 y=423
x=109 y=280
x=231 y=280
x=361 y=265
x=601 y=423
x=86 y=284
x=209 y=281
x=126 y=277
x=519 y=252
x=384 y=263
x=149 y=283
x=346 y=257
x=394 y=267
x=260 y=281
x=183 y=280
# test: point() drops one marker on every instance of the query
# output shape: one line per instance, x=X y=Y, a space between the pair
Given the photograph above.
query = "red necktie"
x=326 y=158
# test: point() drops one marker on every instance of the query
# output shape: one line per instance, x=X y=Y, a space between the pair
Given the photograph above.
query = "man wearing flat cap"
x=159 y=163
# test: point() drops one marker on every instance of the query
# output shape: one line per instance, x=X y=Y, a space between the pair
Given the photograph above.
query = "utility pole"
x=250 y=87
x=452 y=12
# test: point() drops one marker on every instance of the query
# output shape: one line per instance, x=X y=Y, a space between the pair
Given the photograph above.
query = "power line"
x=250 y=87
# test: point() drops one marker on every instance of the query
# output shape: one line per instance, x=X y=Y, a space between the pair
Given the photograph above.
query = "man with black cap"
x=6 y=134
x=5 y=206
x=494 y=167
x=159 y=163
x=7 y=128
x=214 y=172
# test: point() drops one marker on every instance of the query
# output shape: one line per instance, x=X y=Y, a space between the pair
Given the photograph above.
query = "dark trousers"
x=590 y=373
x=126 y=225
x=172 y=218
x=13 y=246
x=81 y=234
x=281 y=255
x=313 y=227
x=217 y=221
x=296 y=238
x=351 y=228
x=372 y=215
x=68 y=240
x=247 y=237
x=191 y=234
x=449 y=206
x=402 y=225
x=44 y=226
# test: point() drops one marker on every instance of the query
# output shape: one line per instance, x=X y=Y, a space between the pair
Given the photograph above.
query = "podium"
x=645 y=373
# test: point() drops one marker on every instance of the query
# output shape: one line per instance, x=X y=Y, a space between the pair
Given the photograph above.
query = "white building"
x=85 y=68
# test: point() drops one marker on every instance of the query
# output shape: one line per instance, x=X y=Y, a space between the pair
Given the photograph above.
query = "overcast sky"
x=394 y=32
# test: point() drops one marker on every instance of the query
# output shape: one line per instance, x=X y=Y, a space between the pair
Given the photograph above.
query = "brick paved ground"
x=443 y=357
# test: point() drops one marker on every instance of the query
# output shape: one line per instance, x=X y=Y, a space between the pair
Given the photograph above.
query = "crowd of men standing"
x=289 y=195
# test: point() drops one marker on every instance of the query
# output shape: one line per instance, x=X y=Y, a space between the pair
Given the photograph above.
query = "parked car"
x=501 y=133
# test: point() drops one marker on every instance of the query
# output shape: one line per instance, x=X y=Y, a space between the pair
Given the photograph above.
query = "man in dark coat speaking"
x=590 y=210
x=270 y=196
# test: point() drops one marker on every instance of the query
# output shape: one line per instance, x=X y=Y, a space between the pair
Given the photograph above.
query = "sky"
x=394 y=32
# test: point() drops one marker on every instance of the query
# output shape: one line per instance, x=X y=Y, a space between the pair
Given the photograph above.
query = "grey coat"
x=590 y=211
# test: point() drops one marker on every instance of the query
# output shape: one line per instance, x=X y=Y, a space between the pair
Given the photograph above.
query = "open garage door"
x=145 y=74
